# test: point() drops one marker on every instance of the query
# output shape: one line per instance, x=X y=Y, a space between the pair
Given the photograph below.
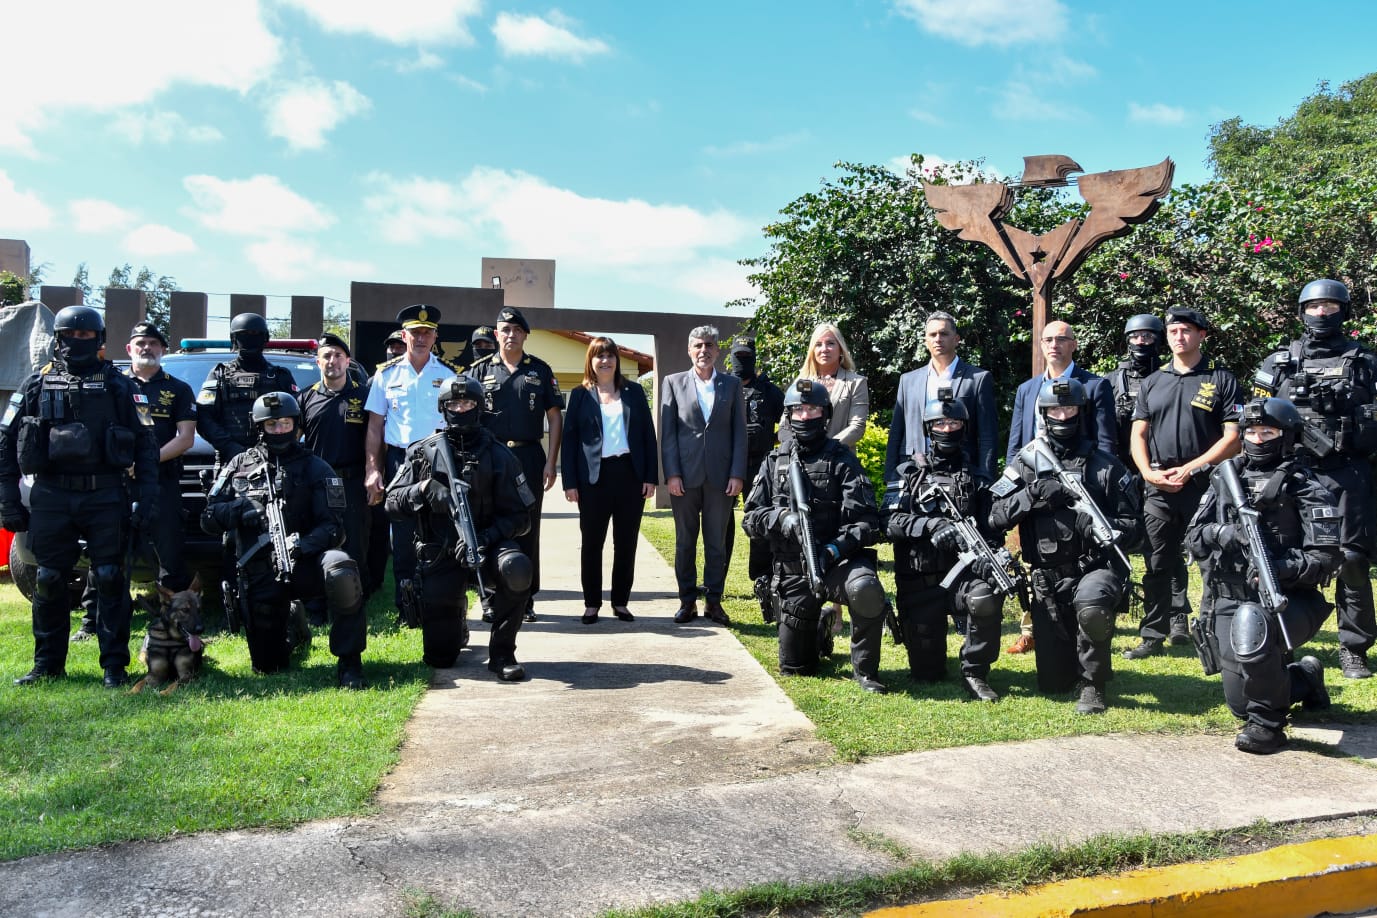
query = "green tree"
x=13 y=289
x=157 y=289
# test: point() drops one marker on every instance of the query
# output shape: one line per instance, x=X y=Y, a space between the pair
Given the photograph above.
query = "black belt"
x=513 y=444
x=618 y=457
x=350 y=472
x=84 y=482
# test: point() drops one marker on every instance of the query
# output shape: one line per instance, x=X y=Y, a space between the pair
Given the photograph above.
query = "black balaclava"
x=279 y=444
x=463 y=425
x=743 y=364
x=947 y=444
x=810 y=433
x=1145 y=357
x=79 y=353
x=1265 y=456
x=1063 y=434
x=1324 y=327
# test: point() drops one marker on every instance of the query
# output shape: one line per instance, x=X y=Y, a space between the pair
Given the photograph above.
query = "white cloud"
x=162 y=127
x=288 y=260
x=523 y=213
x=156 y=239
x=532 y=36
x=926 y=117
x=988 y=22
x=719 y=280
x=424 y=60
x=91 y=215
x=21 y=210
x=399 y=21
x=754 y=147
x=302 y=114
x=256 y=206
x=221 y=45
x=1033 y=92
x=467 y=83
x=1157 y=113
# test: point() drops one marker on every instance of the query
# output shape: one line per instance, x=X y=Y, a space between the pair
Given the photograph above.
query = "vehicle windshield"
x=193 y=372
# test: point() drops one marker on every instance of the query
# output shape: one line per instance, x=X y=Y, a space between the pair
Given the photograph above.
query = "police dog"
x=172 y=649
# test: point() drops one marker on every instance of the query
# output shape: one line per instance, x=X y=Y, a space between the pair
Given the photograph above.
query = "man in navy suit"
x=1058 y=345
x=703 y=452
x=919 y=388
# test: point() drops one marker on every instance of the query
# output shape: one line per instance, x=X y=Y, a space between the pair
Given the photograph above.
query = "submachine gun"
x=1105 y=535
x=798 y=506
x=276 y=541
x=468 y=551
x=1008 y=574
x=1231 y=492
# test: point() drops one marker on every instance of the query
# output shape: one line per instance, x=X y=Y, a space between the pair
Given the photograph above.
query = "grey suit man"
x=703 y=453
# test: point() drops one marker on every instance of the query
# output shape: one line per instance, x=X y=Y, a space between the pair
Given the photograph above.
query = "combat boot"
x=1147 y=647
x=1179 y=635
x=350 y=670
x=1312 y=670
x=39 y=674
x=1091 y=699
x=115 y=676
x=871 y=684
x=979 y=689
x=507 y=669
x=1256 y=739
x=1353 y=664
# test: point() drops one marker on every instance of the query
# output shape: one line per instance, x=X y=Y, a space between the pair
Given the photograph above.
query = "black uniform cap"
x=513 y=315
x=419 y=316
x=394 y=336
x=330 y=339
x=484 y=333
x=147 y=330
x=742 y=344
x=1188 y=315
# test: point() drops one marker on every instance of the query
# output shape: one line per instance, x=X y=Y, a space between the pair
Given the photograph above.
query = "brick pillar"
x=248 y=302
x=308 y=316
x=124 y=308
x=190 y=316
x=56 y=298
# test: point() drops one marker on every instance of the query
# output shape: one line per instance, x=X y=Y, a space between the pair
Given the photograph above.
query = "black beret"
x=330 y=339
x=420 y=315
x=1179 y=314
x=513 y=315
x=147 y=330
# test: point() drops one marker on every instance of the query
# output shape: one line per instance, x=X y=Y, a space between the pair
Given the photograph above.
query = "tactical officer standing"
x=278 y=474
x=1077 y=569
x=482 y=343
x=1332 y=380
x=336 y=428
x=75 y=426
x=224 y=419
x=500 y=505
x=1299 y=520
x=764 y=407
x=522 y=399
x=926 y=544
x=1185 y=421
x=839 y=504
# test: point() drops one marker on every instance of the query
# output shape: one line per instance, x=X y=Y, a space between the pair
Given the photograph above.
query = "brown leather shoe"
x=712 y=608
x=1024 y=644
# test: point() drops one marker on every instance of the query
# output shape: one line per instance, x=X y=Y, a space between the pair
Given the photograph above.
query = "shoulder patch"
x=334 y=494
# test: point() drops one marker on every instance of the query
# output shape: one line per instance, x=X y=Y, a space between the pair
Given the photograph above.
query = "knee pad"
x=1353 y=572
x=514 y=569
x=865 y=596
x=1097 y=622
x=979 y=600
x=109 y=580
x=343 y=588
x=1250 y=634
x=49 y=583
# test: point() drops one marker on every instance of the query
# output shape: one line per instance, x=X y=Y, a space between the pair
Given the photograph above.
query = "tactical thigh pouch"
x=119 y=446
x=72 y=443
x=32 y=446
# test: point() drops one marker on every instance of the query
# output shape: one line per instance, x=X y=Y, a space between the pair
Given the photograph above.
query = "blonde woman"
x=829 y=362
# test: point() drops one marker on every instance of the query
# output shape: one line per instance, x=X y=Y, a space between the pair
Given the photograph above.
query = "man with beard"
x=1332 y=380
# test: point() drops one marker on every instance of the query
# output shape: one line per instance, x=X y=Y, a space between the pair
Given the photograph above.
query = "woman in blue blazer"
x=609 y=467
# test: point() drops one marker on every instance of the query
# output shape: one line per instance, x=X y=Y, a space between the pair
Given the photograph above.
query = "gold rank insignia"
x=1204 y=399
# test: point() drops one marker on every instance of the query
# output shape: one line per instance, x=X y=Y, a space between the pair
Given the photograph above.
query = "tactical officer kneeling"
x=1077 y=574
x=838 y=509
x=1300 y=523
x=279 y=475
x=917 y=512
x=492 y=503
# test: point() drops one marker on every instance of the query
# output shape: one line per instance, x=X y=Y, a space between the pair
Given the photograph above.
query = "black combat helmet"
x=1274 y=412
x=276 y=405
x=1324 y=289
x=455 y=389
x=79 y=353
x=808 y=392
x=945 y=443
x=1324 y=326
x=249 y=332
x=1059 y=393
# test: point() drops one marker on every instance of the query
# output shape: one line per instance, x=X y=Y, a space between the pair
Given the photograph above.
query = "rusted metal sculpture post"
x=1118 y=199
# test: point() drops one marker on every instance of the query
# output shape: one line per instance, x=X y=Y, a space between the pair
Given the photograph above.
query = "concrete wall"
x=14 y=256
x=527 y=283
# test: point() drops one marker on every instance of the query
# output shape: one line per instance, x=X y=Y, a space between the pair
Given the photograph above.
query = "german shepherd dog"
x=172 y=650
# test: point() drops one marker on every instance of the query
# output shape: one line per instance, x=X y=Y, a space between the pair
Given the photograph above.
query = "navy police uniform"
x=167 y=401
x=336 y=425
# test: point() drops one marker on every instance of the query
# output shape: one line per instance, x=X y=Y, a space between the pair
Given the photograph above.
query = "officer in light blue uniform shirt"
x=403 y=407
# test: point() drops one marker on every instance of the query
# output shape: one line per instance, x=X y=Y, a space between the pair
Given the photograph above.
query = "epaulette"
x=387 y=363
x=458 y=370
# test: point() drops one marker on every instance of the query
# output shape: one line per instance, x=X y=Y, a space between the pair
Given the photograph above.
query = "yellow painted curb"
x=1292 y=881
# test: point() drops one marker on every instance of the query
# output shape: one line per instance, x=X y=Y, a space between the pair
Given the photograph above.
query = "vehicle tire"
x=22 y=572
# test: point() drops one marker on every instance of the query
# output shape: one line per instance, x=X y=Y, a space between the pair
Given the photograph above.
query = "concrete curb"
x=1333 y=875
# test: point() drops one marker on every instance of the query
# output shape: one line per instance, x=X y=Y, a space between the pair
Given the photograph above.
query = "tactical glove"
x=946 y=539
x=15 y=517
x=1050 y=493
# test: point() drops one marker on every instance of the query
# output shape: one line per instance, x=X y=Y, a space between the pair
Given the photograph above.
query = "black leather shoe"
x=37 y=675
x=590 y=616
x=1179 y=635
x=978 y=689
x=1259 y=740
x=115 y=676
x=1353 y=664
x=530 y=614
x=871 y=684
x=487 y=616
x=714 y=611
x=508 y=670
x=1312 y=670
x=1147 y=647
x=1091 y=700
x=687 y=613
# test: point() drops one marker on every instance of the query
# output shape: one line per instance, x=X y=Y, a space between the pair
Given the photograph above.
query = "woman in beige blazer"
x=829 y=362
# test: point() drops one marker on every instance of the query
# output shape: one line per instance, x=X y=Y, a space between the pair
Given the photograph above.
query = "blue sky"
x=291 y=146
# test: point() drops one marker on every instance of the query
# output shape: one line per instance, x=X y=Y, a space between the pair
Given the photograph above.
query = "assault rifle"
x=798 y=505
x=1007 y=572
x=468 y=550
x=1230 y=488
x=1106 y=536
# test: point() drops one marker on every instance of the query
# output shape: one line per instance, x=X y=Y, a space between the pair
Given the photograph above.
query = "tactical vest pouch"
x=1365 y=432
x=119 y=446
x=31 y=447
x=72 y=443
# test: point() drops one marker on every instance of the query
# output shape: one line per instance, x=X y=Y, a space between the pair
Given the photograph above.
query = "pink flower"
x=1268 y=241
x=1353 y=334
x=1123 y=275
x=1018 y=312
x=1259 y=207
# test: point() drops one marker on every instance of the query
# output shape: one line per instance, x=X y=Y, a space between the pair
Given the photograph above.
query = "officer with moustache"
x=224 y=417
x=336 y=428
x=1332 y=380
x=764 y=407
x=76 y=427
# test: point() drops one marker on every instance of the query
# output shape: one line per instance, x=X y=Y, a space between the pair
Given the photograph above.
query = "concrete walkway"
x=649 y=762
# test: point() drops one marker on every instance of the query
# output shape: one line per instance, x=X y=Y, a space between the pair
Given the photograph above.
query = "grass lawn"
x=82 y=765
x=1163 y=694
